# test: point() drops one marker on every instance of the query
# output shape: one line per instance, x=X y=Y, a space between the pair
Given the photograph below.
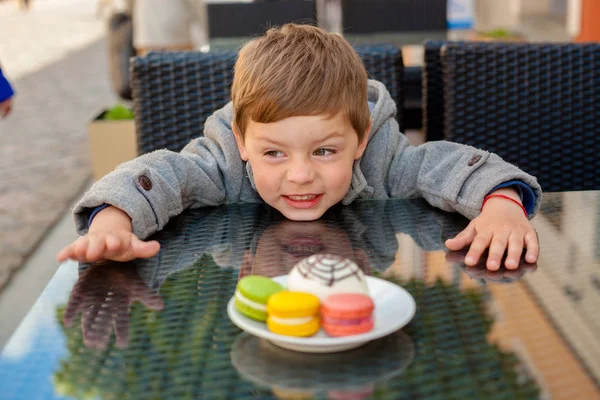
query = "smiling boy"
x=306 y=130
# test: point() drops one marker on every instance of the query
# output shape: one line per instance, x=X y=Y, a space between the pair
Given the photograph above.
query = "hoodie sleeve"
x=158 y=186
x=6 y=91
x=451 y=176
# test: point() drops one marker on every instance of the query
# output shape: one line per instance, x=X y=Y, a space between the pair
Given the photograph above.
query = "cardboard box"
x=111 y=143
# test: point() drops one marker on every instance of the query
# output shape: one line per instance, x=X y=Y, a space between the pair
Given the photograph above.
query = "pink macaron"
x=345 y=314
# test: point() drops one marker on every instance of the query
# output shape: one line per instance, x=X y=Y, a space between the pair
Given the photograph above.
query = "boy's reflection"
x=284 y=244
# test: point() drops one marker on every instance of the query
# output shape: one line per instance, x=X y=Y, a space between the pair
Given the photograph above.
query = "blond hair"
x=297 y=70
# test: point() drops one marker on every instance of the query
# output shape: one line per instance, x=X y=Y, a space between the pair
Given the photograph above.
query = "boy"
x=306 y=130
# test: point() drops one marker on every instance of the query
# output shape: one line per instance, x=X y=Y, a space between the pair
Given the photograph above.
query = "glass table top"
x=158 y=328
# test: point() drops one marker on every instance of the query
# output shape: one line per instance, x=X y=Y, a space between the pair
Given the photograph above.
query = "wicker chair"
x=174 y=93
x=433 y=92
x=384 y=63
x=535 y=105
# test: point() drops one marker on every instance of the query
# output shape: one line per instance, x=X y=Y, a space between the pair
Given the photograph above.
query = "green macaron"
x=252 y=293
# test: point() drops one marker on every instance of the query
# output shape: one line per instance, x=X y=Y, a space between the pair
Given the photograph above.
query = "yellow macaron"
x=293 y=314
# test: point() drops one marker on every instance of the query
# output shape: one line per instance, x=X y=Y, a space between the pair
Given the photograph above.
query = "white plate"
x=394 y=308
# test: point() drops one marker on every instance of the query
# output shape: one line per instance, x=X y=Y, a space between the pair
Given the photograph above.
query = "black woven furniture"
x=174 y=93
x=535 y=105
x=433 y=91
x=384 y=63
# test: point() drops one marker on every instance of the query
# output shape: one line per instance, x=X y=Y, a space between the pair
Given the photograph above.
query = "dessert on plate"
x=252 y=293
x=327 y=274
x=293 y=314
x=345 y=314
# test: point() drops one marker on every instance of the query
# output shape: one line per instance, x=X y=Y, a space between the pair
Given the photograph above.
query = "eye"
x=323 y=152
x=274 y=153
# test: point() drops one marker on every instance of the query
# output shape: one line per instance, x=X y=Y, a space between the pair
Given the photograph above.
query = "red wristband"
x=489 y=196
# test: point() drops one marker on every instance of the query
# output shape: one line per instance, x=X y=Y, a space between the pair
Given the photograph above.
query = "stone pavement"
x=56 y=59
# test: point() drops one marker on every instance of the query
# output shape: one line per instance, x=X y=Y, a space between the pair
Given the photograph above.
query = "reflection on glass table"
x=480 y=271
x=158 y=328
x=290 y=373
x=103 y=295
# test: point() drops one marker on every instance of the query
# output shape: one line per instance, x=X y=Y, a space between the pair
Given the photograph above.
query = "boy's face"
x=283 y=245
x=302 y=165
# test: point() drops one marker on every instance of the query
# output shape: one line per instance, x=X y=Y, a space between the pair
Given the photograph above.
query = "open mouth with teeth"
x=303 y=197
x=303 y=200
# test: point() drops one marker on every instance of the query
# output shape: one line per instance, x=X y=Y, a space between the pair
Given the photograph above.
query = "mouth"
x=303 y=201
x=303 y=251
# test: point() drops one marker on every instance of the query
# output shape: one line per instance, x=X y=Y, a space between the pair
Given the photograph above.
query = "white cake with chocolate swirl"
x=326 y=274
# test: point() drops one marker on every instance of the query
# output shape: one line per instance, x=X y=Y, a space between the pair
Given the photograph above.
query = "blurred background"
x=71 y=118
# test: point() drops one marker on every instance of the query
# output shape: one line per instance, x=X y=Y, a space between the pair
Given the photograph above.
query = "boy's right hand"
x=110 y=237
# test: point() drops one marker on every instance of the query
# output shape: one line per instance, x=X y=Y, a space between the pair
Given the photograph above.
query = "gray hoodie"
x=209 y=171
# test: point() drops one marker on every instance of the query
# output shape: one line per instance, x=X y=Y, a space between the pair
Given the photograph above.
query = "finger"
x=514 y=274
x=150 y=299
x=66 y=253
x=81 y=246
x=117 y=247
x=497 y=249
x=515 y=249
x=96 y=248
x=463 y=239
x=532 y=244
x=480 y=243
x=113 y=244
x=141 y=249
x=121 y=324
x=456 y=256
x=97 y=337
x=74 y=306
x=529 y=267
x=477 y=272
x=99 y=323
x=93 y=326
x=492 y=276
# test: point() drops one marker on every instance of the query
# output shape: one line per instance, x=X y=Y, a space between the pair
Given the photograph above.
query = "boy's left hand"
x=501 y=225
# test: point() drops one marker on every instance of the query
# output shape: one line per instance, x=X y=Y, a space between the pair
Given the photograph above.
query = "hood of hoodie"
x=382 y=108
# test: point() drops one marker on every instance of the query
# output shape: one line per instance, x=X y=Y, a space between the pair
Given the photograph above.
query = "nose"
x=300 y=172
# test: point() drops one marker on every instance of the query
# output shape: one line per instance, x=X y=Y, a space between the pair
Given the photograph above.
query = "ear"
x=362 y=145
x=239 y=141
